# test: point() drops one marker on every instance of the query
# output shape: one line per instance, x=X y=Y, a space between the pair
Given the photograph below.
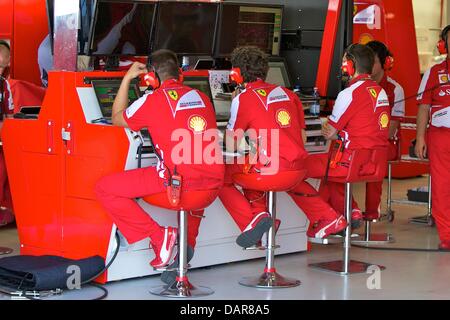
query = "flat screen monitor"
x=122 y=28
x=257 y=25
x=200 y=83
x=106 y=92
x=187 y=28
x=278 y=74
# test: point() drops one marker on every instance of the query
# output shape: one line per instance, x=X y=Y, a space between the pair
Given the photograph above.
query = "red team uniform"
x=361 y=115
x=396 y=98
x=264 y=107
x=435 y=91
x=172 y=106
x=7 y=107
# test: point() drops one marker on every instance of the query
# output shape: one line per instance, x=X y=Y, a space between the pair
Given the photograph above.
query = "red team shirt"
x=7 y=105
x=354 y=113
x=175 y=106
x=435 y=91
x=265 y=106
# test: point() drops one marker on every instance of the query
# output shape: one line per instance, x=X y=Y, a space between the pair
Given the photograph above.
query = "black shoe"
x=260 y=224
x=169 y=277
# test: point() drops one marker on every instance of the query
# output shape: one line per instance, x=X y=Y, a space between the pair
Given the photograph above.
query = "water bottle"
x=185 y=63
x=314 y=109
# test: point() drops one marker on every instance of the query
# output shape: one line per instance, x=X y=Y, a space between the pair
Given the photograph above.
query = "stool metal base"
x=338 y=267
x=4 y=250
x=181 y=289
x=375 y=238
x=269 y=280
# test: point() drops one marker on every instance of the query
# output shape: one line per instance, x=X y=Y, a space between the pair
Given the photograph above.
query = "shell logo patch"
x=373 y=92
x=262 y=92
x=197 y=124
x=443 y=78
x=384 y=120
x=283 y=118
x=173 y=95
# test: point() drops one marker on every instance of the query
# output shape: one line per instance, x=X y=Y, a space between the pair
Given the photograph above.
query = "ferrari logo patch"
x=373 y=92
x=197 y=124
x=283 y=118
x=173 y=95
x=384 y=120
x=262 y=92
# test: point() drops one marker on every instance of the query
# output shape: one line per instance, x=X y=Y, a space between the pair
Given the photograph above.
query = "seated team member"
x=396 y=96
x=6 y=109
x=360 y=118
x=262 y=107
x=170 y=107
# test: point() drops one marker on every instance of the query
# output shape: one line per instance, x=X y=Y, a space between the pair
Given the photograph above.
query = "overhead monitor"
x=278 y=73
x=106 y=92
x=122 y=28
x=187 y=28
x=257 y=25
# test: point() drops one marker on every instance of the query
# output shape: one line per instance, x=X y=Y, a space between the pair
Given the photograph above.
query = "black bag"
x=40 y=273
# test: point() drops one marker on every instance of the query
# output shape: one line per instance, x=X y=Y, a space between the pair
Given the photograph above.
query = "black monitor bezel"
x=94 y=20
x=218 y=33
x=156 y=22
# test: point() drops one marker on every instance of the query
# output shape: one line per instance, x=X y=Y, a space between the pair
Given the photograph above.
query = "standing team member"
x=434 y=110
x=6 y=109
x=383 y=63
x=170 y=107
x=266 y=111
x=360 y=118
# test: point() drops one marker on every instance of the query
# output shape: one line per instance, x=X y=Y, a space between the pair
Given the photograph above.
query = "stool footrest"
x=254 y=248
x=375 y=239
x=169 y=269
x=328 y=240
x=338 y=267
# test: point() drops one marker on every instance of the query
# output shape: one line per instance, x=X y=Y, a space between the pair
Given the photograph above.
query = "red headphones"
x=348 y=67
x=442 y=44
x=151 y=79
x=236 y=76
x=388 y=63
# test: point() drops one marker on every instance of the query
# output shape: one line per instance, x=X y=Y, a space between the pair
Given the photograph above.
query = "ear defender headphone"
x=236 y=76
x=442 y=44
x=348 y=66
x=152 y=79
x=388 y=63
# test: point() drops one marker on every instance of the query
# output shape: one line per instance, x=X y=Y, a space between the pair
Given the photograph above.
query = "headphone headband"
x=6 y=44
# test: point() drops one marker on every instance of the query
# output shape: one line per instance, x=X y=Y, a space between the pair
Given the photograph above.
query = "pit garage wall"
x=24 y=23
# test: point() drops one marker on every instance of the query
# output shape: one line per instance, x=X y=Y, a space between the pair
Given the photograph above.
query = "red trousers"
x=374 y=190
x=244 y=206
x=439 y=155
x=117 y=193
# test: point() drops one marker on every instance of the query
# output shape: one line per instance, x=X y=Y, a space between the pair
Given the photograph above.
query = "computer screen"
x=122 y=28
x=106 y=92
x=249 y=25
x=200 y=83
x=278 y=74
x=186 y=28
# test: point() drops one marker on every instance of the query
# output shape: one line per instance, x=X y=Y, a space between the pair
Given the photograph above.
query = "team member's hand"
x=136 y=70
x=235 y=93
x=421 y=148
x=329 y=132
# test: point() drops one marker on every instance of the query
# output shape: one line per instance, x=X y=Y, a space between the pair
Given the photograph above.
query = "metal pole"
x=271 y=206
x=367 y=230
x=389 y=191
x=182 y=244
x=429 y=196
x=348 y=230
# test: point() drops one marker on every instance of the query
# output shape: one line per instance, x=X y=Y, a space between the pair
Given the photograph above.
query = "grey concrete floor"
x=408 y=275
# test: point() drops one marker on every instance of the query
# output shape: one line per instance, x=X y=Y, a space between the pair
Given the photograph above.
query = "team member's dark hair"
x=380 y=49
x=252 y=61
x=362 y=56
x=165 y=63
x=5 y=44
x=444 y=34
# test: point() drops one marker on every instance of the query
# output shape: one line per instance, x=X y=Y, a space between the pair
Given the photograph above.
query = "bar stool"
x=282 y=181
x=381 y=238
x=190 y=201
x=359 y=160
